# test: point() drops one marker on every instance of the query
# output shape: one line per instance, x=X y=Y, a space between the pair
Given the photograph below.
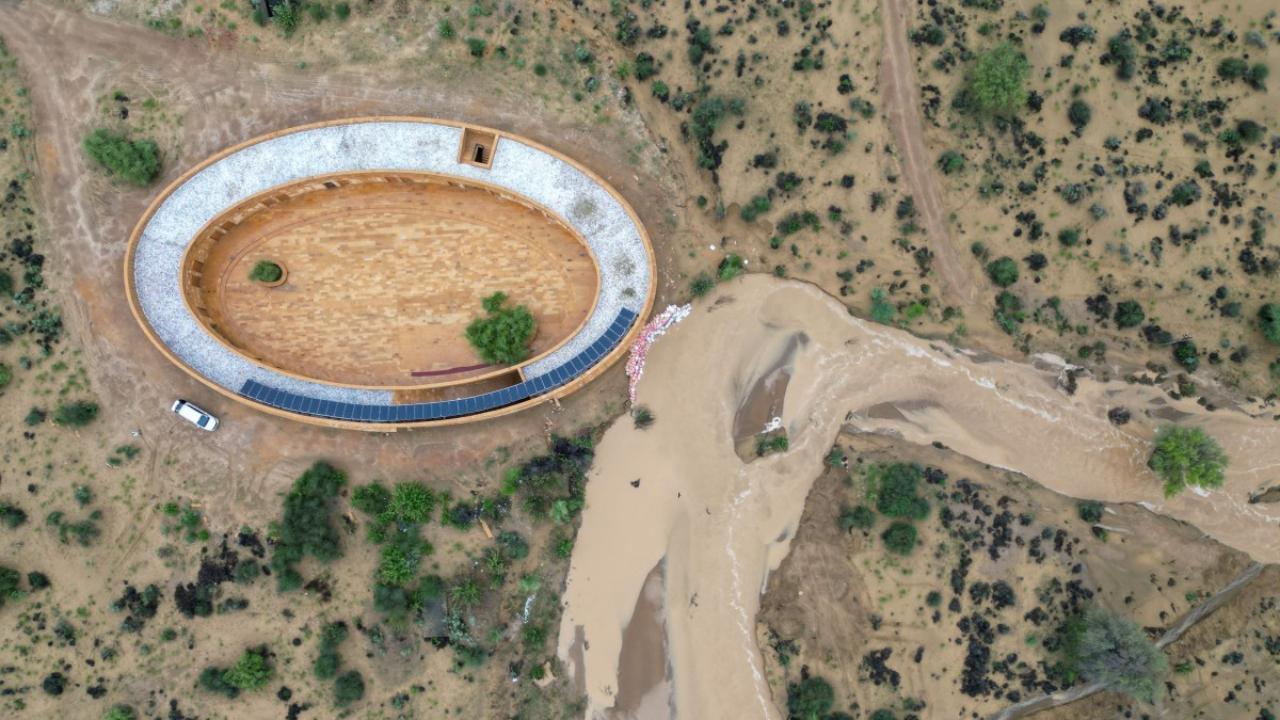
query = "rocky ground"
x=969 y=622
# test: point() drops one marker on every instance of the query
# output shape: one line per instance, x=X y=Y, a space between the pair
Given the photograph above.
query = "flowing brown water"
x=722 y=524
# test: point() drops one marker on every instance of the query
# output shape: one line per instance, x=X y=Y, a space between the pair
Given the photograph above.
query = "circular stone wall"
x=390 y=231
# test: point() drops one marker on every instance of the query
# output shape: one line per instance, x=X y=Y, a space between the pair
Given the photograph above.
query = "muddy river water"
x=680 y=534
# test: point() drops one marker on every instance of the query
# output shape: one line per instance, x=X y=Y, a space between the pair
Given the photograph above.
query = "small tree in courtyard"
x=502 y=337
x=265 y=271
x=1187 y=456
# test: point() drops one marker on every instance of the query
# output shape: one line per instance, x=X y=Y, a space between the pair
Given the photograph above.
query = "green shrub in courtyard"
x=265 y=271
x=502 y=337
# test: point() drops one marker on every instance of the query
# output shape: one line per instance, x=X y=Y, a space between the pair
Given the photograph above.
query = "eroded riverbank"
x=722 y=524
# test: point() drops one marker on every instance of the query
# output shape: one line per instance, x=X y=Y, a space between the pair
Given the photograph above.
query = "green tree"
x=859 y=517
x=136 y=161
x=896 y=496
x=882 y=311
x=1003 y=271
x=1269 y=322
x=348 y=688
x=996 y=83
x=502 y=337
x=900 y=538
x=1079 y=114
x=1186 y=456
x=810 y=699
x=951 y=162
x=251 y=672
x=1129 y=314
x=1232 y=69
x=307 y=525
x=1102 y=646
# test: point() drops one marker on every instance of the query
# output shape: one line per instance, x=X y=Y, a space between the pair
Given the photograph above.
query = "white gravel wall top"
x=394 y=145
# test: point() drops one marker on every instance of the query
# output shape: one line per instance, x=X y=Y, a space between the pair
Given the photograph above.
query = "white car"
x=194 y=415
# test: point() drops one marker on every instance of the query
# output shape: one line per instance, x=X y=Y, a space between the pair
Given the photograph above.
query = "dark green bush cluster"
x=895 y=487
x=810 y=699
x=730 y=267
x=1079 y=114
x=403 y=549
x=860 y=518
x=10 y=585
x=348 y=688
x=306 y=527
x=1269 y=322
x=951 y=162
x=85 y=532
x=188 y=522
x=759 y=205
x=702 y=284
x=1122 y=53
x=136 y=161
x=882 y=311
x=894 y=490
x=705 y=119
x=1003 y=271
x=1129 y=314
x=557 y=476
x=1237 y=69
x=769 y=444
x=502 y=337
x=1090 y=511
x=12 y=516
x=77 y=413
x=326 y=664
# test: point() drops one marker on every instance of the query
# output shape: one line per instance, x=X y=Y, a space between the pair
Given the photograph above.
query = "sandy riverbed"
x=722 y=524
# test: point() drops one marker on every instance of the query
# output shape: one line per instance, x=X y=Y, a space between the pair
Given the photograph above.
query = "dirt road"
x=902 y=105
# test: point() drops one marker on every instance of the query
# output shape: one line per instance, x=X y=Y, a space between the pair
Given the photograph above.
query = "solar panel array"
x=442 y=409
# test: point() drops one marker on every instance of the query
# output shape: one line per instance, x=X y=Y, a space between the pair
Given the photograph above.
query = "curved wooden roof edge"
x=562 y=391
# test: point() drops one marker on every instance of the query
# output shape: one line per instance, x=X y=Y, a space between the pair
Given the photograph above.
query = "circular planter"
x=284 y=276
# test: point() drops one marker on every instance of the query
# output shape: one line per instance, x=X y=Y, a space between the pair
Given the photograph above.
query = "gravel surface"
x=414 y=146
